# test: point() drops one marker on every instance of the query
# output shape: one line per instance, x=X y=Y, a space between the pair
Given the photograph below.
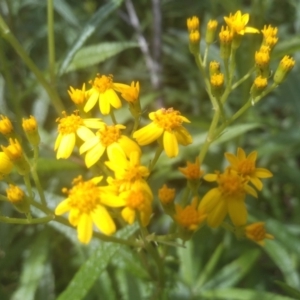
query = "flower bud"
x=285 y=66
x=30 y=128
x=211 y=31
x=18 y=198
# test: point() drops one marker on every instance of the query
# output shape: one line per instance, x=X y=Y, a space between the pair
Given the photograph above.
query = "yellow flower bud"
x=30 y=128
x=193 y=23
x=6 y=127
x=226 y=37
x=15 y=153
x=217 y=84
x=18 y=198
x=211 y=31
x=285 y=66
x=259 y=84
x=194 y=45
x=214 y=68
x=257 y=233
x=262 y=60
x=166 y=195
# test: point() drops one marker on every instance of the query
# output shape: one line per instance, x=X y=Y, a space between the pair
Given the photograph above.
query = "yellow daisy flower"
x=228 y=197
x=168 y=124
x=257 y=233
x=237 y=23
x=109 y=138
x=245 y=166
x=103 y=90
x=69 y=127
x=127 y=171
x=85 y=204
x=129 y=92
x=189 y=217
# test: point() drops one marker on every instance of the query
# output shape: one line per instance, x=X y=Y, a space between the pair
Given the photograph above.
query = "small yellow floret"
x=257 y=233
x=6 y=126
x=13 y=150
x=192 y=171
x=29 y=125
x=193 y=23
x=260 y=82
x=5 y=165
x=225 y=35
x=194 y=37
x=217 y=80
x=78 y=96
x=15 y=194
x=166 y=195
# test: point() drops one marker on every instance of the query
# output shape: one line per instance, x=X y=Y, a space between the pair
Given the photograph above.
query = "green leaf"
x=63 y=8
x=92 y=55
x=101 y=14
x=234 y=271
x=289 y=290
x=209 y=267
x=241 y=294
x=90 y=271
x=288 y=46
x=33 y=268
x=282 y=259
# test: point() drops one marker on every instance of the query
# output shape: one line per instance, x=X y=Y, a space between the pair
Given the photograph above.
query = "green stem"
x=28 y=185
x=135 y=125
x=113 y=118
x=158 y=152
x=240 y=81
x=38 y=185
x=6 y=34
x=205 y=55
x=51 y=41
x=26 y=221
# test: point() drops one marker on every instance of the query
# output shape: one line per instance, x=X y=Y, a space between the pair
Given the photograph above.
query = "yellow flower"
x=15 y=194
x=5 y=165
x=6 y=127
x=30 y=127
x=245 y=166
x=77 y=96
x=168 y=124
x=69 y=127
x=85 y=204
x=109 y=138
x=166 y=195
x=192 y=171
x=270 y=36
x=189 y=217
x=102 y=91
x=127 y=172
x=237 y=23
x=129 y=92
x=257 y=233
x=138 y=200
x=193 y=23
x=228 y=197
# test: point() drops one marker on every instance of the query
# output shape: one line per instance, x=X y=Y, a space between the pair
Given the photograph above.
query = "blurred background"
x=147 y=41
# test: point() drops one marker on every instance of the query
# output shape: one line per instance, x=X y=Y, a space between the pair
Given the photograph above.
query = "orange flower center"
x=166 y=195
x=231 y=184
x=136 y=200
x=258 y=232
x=189 y=217
x=102 y=83
x=84 y=196
x=109 y=135
x=168 y=119
x=246 y=167
x=69 y=124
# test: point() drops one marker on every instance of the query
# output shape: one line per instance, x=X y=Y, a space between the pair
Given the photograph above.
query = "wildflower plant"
x=114 y=200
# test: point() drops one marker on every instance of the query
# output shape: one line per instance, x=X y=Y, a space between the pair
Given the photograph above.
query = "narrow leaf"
x=93 y=267
x=92 y=55
x=101 y=14
x=289 y=290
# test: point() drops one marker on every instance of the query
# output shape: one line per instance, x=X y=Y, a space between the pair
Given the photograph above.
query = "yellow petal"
x=252 y=156
x=62 y=207
x=241 y=155
x=88 y=144
x=256 y=182
x=103 y=220
x=237 y=211
x=210 y=200
x=128 y=215
x=148 y=134
x=93 y=155
x=250 y=190
x=183 y=136
x=128 y=145
x=263 y=173
x=66 y=146
x=113 y=98
x=104 y=104
x=210 y=177
x=251 y=30
x=58 y=140
x=85 y=133
x=85 y=228
x=217 y=215
x=113 y=201
x=170 y=144
x=232 y=159
x=91 y=101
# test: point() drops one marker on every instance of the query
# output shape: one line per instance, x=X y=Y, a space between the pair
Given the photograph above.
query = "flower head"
x=127 y=171
x=84 y=202
x=168 y=124
x=228 y=197
x=257 y=233
x=78 y=96
x=6 y=127
x=245 y=166
x=69 y=128
x=30 y=127
x=166 y=195
x=103 y=90
x=129 y=92
x=192 y=171
x=189 y=217
x=109 y=138
x=18 y=198
x=237 y=23
x=270 y=36
x=193 y=23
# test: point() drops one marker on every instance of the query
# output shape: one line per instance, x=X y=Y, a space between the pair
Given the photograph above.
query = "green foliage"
x=45 y=261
